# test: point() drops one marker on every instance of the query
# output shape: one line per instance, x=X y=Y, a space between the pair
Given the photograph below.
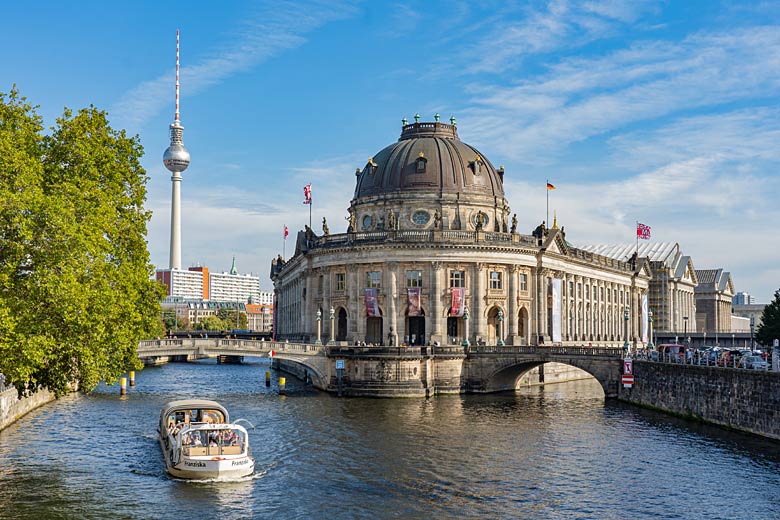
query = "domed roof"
x=430 y=158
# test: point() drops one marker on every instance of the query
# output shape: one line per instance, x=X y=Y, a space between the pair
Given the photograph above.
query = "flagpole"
x=310 y=205
x=547 y=189
x=284 y=247
x=637 y=239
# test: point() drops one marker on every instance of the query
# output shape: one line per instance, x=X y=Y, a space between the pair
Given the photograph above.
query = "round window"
x=480 y=220
x=367 y=222
x=421 y=217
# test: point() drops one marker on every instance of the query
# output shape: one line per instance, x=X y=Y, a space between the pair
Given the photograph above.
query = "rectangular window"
x=571 y=289
x=414 y=278
x=495 y=280
x=341 y=281
x=579 y=290
x=601 y=294
x=373 y=279
x=457 y=279
x=523 y=282
x=587 y=292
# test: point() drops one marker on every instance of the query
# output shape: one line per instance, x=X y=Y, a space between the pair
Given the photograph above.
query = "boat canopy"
x=217 y=412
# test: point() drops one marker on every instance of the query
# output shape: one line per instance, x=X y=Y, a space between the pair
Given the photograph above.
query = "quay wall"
x=745 y=400
x=13 y=408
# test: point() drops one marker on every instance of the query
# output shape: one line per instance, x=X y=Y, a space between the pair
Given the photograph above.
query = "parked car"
x=752 y=362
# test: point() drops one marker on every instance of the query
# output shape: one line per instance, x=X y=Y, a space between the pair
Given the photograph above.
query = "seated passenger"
x=196 y=439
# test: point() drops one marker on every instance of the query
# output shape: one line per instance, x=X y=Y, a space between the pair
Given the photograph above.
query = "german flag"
x=550 y=186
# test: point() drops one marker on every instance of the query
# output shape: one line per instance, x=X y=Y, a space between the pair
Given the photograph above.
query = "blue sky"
x=661 y=112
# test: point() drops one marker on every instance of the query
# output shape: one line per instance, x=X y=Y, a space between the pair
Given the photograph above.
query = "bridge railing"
x=147 y=348
x=696 y=359
x=561 y=350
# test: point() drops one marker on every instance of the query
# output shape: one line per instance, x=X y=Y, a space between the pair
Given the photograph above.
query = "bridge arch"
x=506 y=374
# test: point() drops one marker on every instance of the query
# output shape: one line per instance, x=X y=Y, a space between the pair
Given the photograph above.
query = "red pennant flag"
x=642 y=231
x=286 y=232
x=307 y=194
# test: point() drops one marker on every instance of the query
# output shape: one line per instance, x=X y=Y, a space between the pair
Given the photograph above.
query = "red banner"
x=642 y=231
x=413 y=302
x=458 y=298
x=307 y=194
x=372 y=308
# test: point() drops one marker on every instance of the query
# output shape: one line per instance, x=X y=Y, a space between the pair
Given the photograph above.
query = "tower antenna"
x=176 y=117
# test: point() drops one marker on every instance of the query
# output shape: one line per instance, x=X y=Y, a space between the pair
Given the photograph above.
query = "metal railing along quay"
x=696 y=359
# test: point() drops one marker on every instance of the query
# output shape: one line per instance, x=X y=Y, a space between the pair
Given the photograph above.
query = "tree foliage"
x=769 y=330
x=75 y=288
x=212 y=322
x=228 y=317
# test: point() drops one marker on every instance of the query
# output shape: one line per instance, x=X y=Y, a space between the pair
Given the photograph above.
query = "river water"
x=554 y=452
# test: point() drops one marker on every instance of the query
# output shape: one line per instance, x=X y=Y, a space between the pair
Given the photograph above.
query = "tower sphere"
x=176 y=158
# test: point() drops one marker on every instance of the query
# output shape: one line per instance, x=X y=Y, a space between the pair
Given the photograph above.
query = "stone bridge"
x=401 y=371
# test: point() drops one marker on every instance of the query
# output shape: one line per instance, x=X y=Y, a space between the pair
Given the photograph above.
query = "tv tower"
x=176 y=158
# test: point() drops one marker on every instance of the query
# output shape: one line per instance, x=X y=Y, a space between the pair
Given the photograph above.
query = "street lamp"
x=705 y=339
x=625 y=344
x=752 y=328
x=685 y=325
x=650 y=320
x=732 y=341
x=500 y=342
x=465 y=341
x=332 y=328
x=319 y=327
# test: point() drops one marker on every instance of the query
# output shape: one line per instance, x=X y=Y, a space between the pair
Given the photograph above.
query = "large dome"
x=429 y=157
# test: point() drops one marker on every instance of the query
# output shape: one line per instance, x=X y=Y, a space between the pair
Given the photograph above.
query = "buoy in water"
x=282 y=382
x=132 y=378
x=123 y=386
x=268 y=378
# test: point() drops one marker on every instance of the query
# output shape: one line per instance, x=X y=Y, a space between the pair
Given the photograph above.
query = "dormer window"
x=421 y=163
x=477 y=164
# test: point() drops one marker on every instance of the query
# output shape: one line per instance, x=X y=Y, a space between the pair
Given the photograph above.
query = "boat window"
x=213 y=438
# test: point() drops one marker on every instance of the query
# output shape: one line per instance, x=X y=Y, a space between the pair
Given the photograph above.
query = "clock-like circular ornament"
x=421 y=217
x=367 y=222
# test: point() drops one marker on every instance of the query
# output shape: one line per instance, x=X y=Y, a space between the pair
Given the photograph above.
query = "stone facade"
x=747 y=400
x=13 y=408
x=429 y=219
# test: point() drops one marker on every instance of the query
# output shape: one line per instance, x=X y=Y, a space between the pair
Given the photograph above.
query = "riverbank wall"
x=744 y=400
x=13 y=408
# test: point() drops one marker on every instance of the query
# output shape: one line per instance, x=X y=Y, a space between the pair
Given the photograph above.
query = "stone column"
x=435 y=311
x=478 y=321
x=392 y=294
x=512 y=311
x=327 y=298
x=353 y=306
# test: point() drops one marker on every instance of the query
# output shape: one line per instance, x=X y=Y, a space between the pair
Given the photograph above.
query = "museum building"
x=432 y=254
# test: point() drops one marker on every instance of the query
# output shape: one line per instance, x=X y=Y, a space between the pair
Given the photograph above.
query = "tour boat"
x=198 y=441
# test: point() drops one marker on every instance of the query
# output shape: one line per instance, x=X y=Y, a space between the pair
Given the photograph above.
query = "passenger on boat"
x=196 y=439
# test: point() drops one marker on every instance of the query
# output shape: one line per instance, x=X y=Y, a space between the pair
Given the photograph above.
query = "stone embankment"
x=12 y=408
x=745 y=400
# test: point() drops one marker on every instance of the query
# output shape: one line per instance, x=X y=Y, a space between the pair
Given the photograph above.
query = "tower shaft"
x=175 y=258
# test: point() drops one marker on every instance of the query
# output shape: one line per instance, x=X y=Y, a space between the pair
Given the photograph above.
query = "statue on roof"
x=540 y=231
x=514 y=224
x=352 y=222
x=391 y=224
x=436 y=219
x=325 y=228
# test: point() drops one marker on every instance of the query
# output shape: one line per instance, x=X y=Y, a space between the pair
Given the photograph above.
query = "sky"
x=664 y=113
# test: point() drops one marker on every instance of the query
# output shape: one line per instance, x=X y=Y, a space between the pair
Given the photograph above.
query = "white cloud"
x=277 y=27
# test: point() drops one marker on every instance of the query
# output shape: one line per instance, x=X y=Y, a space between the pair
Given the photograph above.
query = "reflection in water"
x=555 y=452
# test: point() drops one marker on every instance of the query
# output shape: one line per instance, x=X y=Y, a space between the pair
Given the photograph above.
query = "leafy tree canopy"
x=769 y=330
x=228 y=317
x=75 y=289
x=211 y=323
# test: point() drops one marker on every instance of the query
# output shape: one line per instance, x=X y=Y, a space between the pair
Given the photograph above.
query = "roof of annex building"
x=655 y=251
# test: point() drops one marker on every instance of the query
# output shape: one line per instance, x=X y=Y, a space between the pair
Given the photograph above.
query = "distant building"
x=672 y=298
x=259 y=317
x=195 y=310
x=198 y=283
x=743 y=298
x=713 y=300
x=754 y=310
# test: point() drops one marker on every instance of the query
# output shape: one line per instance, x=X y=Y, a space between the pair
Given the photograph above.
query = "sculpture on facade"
x=436 y=219
x=514 y=224
x=352 y=222
x=325 y=228
x=391 y=220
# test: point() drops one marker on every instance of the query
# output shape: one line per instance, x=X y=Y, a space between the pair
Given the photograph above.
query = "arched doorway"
x=415 y=329
x=455 y=329
x=341 y=326
x=494 y=327
x=374 y=330
x=522 y=326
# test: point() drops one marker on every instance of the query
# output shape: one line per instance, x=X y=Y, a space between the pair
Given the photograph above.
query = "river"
x=554 y=452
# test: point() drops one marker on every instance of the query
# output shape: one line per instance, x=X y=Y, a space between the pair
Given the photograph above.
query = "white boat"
x=198 y=441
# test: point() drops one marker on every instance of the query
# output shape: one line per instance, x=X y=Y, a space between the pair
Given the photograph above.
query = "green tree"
x=212 y=322
x=769 y=330
x=228 y=316
x=76 y=293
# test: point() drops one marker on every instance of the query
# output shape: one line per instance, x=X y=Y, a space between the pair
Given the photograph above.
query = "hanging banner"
x=556 y=310
x=458 y=298
x=413 y=302
x=372 y=308
x=644 y=318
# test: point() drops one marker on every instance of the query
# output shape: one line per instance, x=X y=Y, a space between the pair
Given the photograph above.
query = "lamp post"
x=625 y=343
x=500 y=342
x=319 y=327
x=465 y=341
x=732 y=341
x=332 y=328
x=685 y=325
x=705 y=339
x=752 y=328
x=650 y=320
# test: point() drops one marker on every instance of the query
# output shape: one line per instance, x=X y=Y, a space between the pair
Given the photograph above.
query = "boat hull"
x=206 y=469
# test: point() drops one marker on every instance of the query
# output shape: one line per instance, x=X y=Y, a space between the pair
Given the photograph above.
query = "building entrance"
x=453 y=330
x=374 y=330
x=341 y=329
x=415 y=330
